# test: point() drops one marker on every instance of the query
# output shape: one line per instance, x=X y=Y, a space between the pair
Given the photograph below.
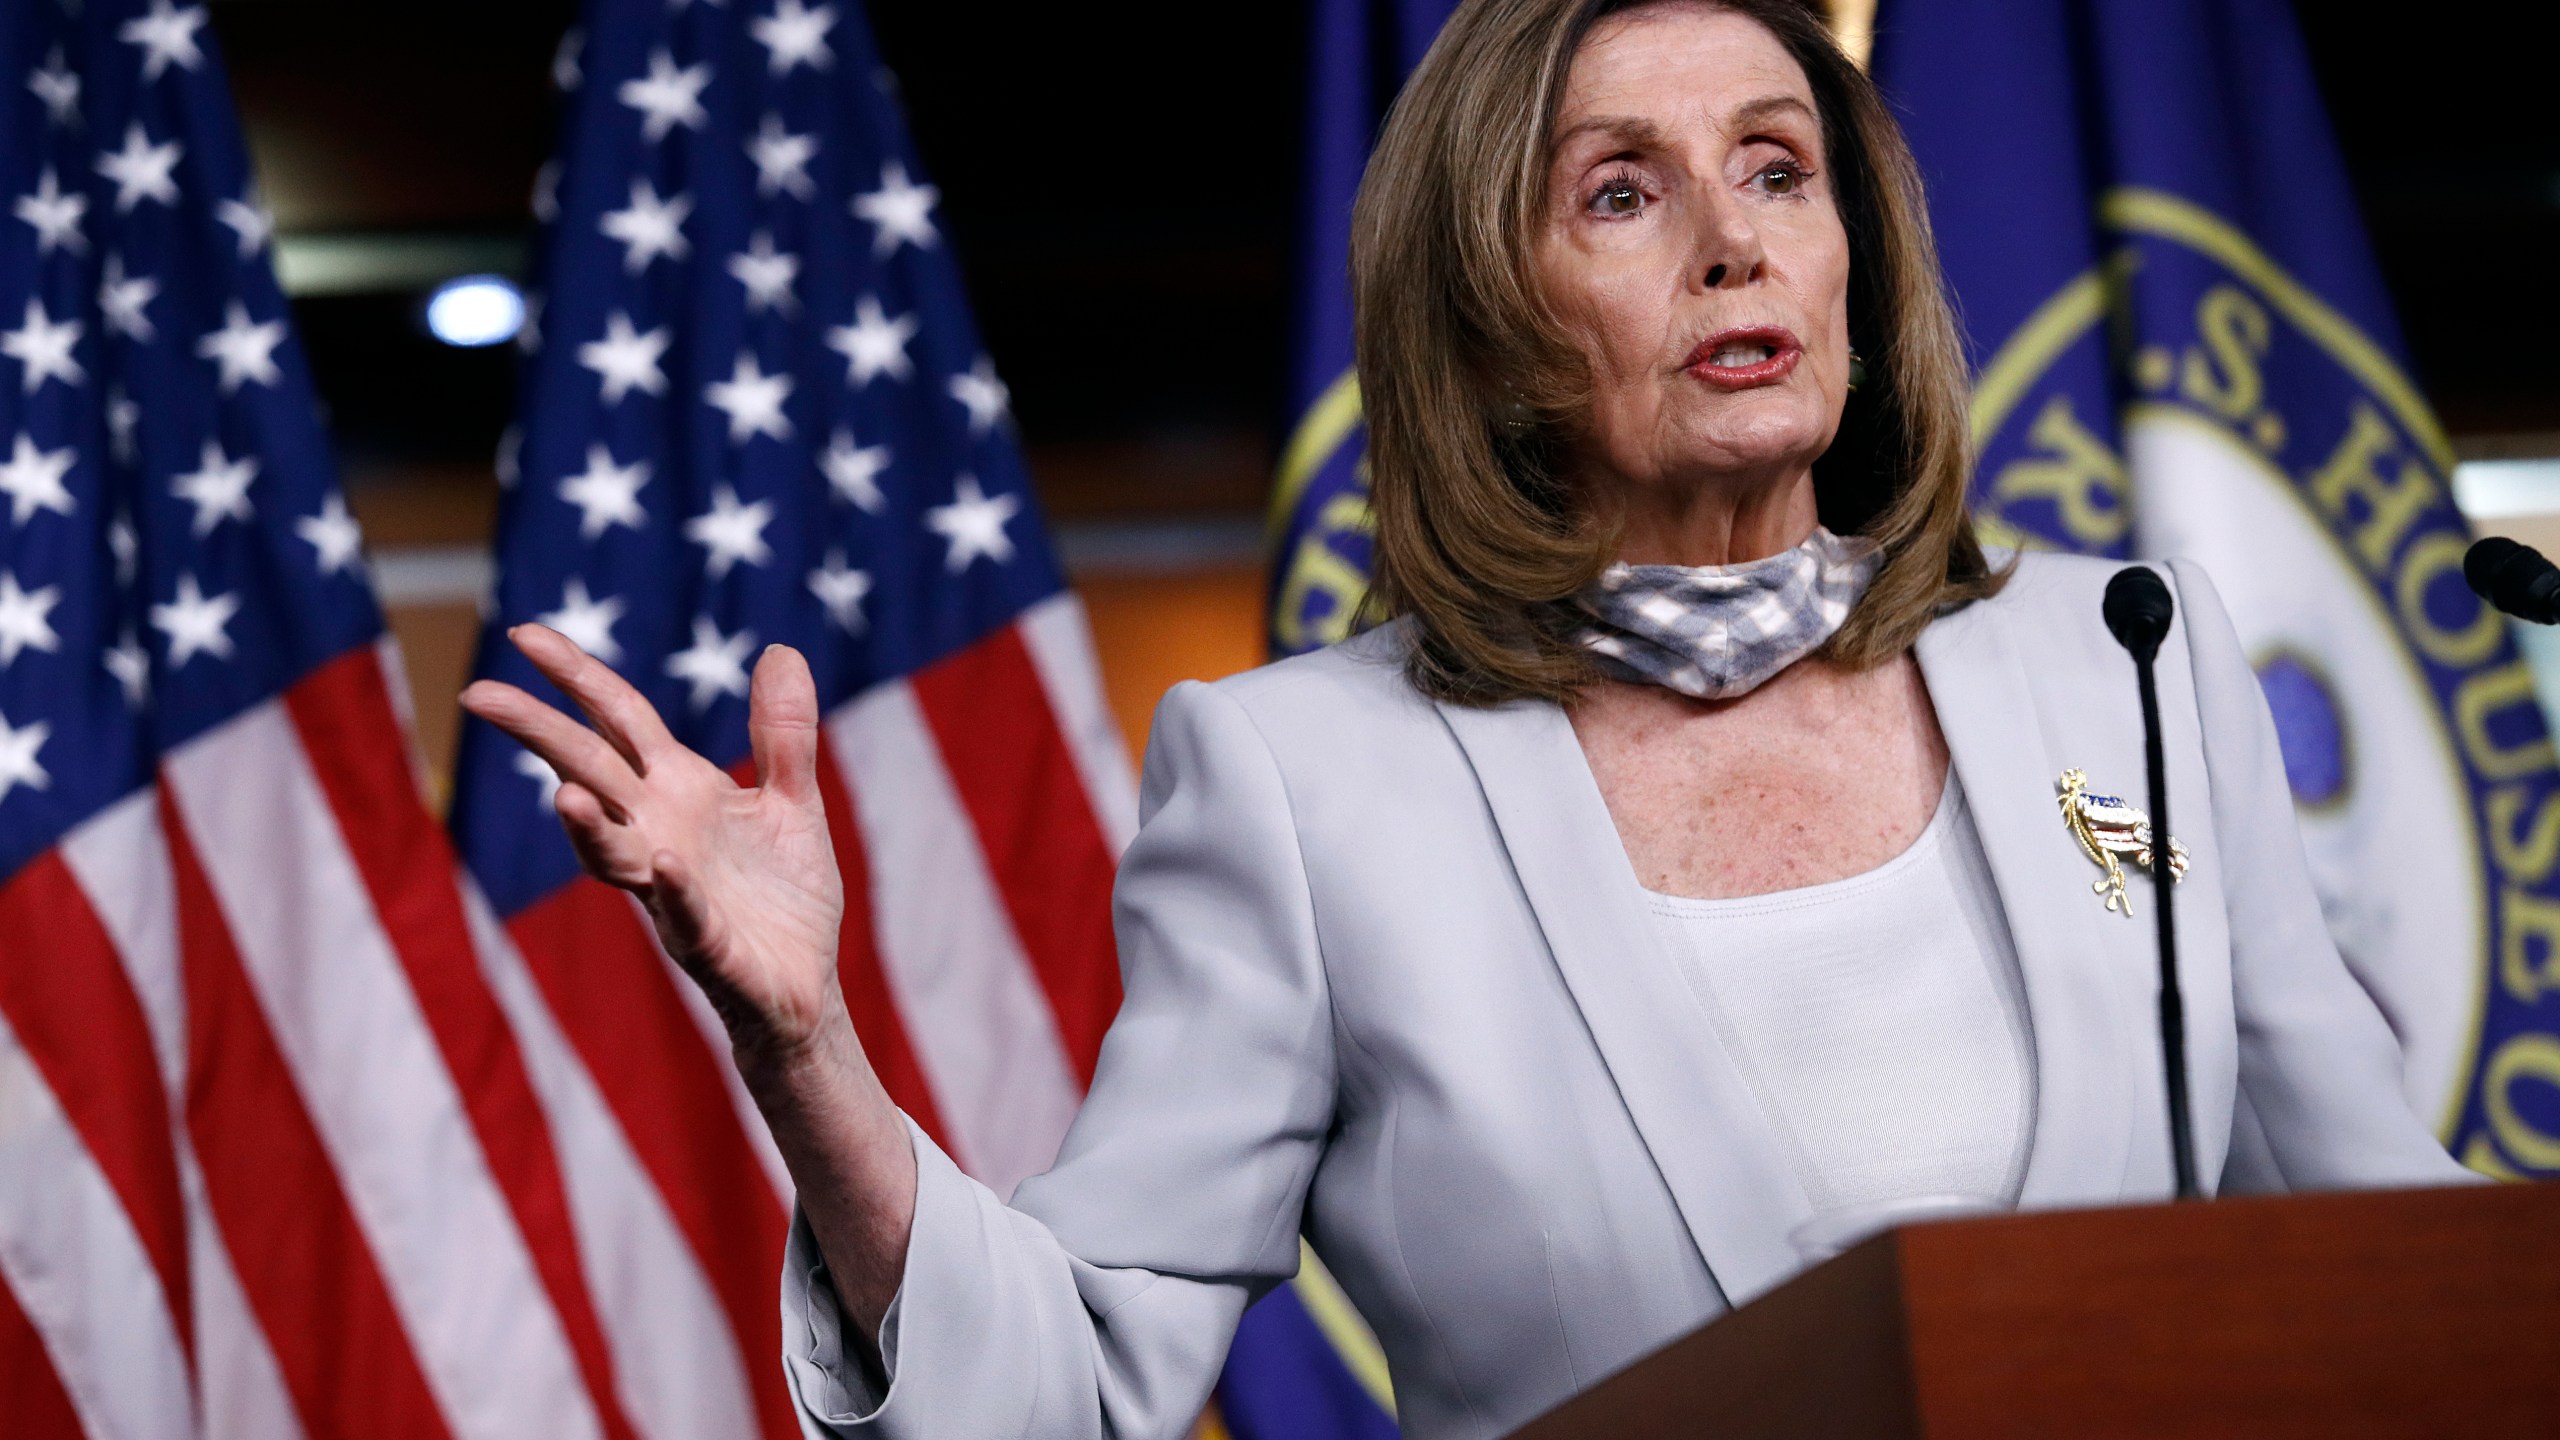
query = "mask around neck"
x=1714 y=632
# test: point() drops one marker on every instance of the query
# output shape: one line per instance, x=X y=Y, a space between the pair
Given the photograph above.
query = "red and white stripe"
x=122 y=866
x=297 y=1139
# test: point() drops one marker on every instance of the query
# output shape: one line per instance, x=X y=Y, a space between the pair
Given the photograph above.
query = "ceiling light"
x=475 y=310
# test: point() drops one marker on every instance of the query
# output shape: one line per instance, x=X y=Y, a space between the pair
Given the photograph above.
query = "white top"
x=1879 y=1020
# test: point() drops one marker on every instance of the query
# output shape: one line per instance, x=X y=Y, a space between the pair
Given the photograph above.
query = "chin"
x=1755 y=435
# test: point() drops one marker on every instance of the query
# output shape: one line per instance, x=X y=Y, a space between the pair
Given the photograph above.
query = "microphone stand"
x=2137 y=611
x=2173 y=1013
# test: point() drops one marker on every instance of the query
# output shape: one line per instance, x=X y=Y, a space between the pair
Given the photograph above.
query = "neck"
x=1715 y=520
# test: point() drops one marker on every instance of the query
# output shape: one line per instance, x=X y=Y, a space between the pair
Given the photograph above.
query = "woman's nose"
x=1728 y=249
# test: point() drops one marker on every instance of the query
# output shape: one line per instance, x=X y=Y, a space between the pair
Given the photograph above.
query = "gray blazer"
x=1390 y=983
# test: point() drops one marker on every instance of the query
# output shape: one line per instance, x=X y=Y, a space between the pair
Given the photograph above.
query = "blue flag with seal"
x=1358 y=56
x=2183 y=347
x=1303 y=1366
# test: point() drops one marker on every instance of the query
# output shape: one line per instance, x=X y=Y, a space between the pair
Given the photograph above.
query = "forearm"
x=849 y=1155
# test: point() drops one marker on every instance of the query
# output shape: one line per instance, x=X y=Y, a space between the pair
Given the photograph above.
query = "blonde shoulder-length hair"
x=1468 y=378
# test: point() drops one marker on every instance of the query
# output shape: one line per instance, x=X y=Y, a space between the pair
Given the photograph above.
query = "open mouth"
x=1745 y=356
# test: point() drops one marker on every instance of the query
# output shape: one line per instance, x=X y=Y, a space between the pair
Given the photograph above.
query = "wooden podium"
x=2429 y=1313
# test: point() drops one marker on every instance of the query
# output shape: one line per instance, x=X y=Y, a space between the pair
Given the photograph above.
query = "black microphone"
x=2137 y=611
x=2514 y=578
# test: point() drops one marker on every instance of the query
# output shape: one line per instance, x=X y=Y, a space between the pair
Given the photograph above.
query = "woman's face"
x=1691 y=237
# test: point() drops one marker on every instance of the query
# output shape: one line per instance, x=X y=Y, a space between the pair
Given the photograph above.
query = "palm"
x=741 y=881
x=757 y=927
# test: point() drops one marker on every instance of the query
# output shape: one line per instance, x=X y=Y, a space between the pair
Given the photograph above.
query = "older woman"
x=1677 y=874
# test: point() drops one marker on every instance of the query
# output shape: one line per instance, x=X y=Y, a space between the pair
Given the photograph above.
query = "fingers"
x=678 y=913
x=608 y=849
x=620 y=713
x=576 y=753
x=782 y=724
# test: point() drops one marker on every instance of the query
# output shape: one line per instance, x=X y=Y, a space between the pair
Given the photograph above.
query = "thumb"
x=782 y=725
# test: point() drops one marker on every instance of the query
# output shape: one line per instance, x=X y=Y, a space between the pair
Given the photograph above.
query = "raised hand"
x=741 y=882
x=743 y=886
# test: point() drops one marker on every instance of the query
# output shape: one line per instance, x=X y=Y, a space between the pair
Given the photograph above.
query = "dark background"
x=1120 y=182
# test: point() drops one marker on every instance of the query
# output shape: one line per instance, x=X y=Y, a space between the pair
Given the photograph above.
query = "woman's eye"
x=1781 y=179
x=1617 y=199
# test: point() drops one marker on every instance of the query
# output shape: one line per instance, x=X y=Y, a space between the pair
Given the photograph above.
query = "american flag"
x=307 y=1126
x=758 y=412
x=249 y=1069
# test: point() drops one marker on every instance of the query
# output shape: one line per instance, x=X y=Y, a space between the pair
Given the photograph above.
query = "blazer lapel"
x=1690 y=1104
x=2084 y=990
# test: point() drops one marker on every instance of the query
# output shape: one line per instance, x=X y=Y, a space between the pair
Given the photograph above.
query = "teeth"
x=1737 y=355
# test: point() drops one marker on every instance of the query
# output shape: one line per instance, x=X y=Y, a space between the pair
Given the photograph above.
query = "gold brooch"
x=2107 y=828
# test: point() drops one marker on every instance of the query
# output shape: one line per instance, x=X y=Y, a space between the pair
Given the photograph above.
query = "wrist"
x=813 y=1042
x=818 y=1083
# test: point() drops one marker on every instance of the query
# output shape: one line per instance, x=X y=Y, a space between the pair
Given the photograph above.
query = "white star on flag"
x=900 y=212
x=564 y=61
x=752 y=400
x=121 y=298
x=782 y=159
x=130 y=664
x=23 y=625
x=842 y=590
x=18 y=747
x=167 y=36
x=141 y=170
x=245 y=352
x=44 y=348
x=650 y=227
x=974 y=524
x=123 y=416
x=55 y=215
x=606 y=494
x=626 y=360
x=194 y=622
x=58 y=86
x=730 y=531
x=218 y=487
x=796 y=36
x=248 y=219
x=538 y=770
x=669 y=97
x=587 y=621
x=982 y=394
x=32 y=479
x=125 y=545
x=546 y=192
x=334 y=534
x=873 y=345
x=768 y=275
x=854 y=470
x=714 y=664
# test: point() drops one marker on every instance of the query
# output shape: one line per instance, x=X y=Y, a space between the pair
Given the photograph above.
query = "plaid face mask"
x=1717 y=631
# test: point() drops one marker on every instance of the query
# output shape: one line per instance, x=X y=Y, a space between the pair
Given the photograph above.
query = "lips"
x=1743 y=358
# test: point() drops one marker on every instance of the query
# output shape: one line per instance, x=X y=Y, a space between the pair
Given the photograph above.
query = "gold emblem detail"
x=2107 y=828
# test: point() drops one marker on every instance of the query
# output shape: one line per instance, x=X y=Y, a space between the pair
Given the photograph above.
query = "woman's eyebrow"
x=1632 y=132
x=1753 y=112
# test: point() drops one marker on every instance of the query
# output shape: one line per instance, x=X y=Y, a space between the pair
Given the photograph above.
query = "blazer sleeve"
x=1101 y=1300
x=2320 y=1103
